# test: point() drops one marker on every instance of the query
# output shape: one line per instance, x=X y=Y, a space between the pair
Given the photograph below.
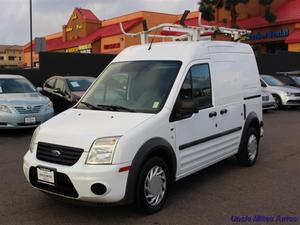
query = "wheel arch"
x=153 y=147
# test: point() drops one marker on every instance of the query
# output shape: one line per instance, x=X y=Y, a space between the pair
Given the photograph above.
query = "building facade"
x=84 y=32
x=11 y=56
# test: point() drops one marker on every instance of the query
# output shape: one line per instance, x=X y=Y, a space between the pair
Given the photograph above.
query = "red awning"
x=294 y=37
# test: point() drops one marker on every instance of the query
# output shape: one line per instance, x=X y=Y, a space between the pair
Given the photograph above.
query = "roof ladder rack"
x=190 y=33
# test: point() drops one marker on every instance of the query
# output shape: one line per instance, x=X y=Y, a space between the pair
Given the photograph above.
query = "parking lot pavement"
x=212 y=196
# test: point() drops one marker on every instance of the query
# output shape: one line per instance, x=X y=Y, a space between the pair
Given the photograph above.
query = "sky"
x=50 y=15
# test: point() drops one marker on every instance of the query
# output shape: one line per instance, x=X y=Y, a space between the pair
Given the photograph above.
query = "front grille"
x=28 y=110
x=265 y=98
x=58 y=154
x=63 y=184
x=297 y=94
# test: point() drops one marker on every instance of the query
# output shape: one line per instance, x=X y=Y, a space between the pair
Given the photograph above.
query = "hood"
x=287 y=89
x=80 y=128
x=23 y=98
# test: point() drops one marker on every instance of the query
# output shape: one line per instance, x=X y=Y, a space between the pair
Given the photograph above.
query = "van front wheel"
x=248 y=151
x=152 y=187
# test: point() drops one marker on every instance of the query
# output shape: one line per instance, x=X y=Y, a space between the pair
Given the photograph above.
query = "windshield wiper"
x=91 y=106
x=116 y=108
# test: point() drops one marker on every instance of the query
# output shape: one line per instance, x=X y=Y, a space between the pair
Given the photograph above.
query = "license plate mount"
x=46 y=175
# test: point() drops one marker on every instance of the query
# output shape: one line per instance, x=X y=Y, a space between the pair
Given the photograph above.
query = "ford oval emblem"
x=55 y=153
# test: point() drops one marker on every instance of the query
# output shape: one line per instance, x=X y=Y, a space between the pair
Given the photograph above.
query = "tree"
x=269 y=15
x=208 y=7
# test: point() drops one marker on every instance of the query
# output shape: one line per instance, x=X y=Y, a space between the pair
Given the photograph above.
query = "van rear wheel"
x=248 y=151
x=152 y=187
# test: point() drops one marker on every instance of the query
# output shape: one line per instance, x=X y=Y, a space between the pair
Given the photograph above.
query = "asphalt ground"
x=219 y=195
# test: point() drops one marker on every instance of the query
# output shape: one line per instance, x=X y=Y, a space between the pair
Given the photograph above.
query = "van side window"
x=195 y=91
x=201 y=86
x=197 y=86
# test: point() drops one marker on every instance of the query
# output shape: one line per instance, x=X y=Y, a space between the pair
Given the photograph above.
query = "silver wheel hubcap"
x=252 y=147
x=155 y=185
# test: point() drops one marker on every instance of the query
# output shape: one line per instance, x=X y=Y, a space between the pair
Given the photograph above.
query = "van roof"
x=181 y=50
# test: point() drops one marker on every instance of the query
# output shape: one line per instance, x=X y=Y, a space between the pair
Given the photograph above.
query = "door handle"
x=212 y=114
x=223 y=111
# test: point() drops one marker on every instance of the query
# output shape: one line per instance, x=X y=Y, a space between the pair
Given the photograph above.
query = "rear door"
x=195 y=132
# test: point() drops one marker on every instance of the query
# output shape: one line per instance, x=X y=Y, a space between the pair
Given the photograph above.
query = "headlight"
x=289 y=94
x=4 y=108
x=33 y=139
x=49 y=106
x=102 y=151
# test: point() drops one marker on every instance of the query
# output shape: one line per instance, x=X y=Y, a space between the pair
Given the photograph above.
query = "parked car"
x=152 y=117
x=21 y=105
x=295 y=75
x=283 y=94
x=267 y=100
x=65 y=92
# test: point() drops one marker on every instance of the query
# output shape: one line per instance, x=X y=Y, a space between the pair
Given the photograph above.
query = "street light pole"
x=31 y=42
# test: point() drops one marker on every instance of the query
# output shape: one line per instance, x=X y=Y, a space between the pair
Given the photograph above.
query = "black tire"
x=278 y=102
x=246 y=155
x=142 y=203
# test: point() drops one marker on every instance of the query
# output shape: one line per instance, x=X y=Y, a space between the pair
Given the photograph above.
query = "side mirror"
x=186 y=107
x=39 y=89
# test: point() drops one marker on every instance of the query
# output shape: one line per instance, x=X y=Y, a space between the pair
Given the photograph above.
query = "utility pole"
x=31 y=42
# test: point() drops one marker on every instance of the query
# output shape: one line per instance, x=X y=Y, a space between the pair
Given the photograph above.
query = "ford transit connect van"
x=152 y=117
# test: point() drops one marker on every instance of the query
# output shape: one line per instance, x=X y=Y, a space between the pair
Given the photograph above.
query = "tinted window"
x=79 y=84
x=296 y=79
x=50 y=83
x=197 y=86
x=8 y=86
x=142 y=86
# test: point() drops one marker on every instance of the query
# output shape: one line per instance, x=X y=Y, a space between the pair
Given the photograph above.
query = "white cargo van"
x=155 y=115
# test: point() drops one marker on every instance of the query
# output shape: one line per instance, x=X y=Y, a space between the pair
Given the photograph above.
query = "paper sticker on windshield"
x=74 y=84
x=155 y=105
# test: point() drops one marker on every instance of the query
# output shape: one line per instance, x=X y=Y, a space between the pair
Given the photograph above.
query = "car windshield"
x=272 y=81
x=79 y=84
x=19 y=85
x=296 y=79
x=140 y=86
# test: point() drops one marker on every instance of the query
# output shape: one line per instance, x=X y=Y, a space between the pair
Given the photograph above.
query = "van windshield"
x=272 y=81
x=140 y=86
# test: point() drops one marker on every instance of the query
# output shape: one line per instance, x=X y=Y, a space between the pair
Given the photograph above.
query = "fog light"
x=98 y=189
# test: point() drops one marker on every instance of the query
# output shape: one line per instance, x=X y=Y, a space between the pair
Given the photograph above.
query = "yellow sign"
x=72 y=50
x=78 y=26
x=69 y=29
x=74 y=17
x=84 y=47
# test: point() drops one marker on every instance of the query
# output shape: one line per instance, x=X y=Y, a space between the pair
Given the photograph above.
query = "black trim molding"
x=209 y=138
x=252 y=97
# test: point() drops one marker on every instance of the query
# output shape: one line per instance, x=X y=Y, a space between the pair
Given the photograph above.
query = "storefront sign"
x=112 y=46
x=87 y=48
x=269 y=35
x=69 y=29
x=72 y=50
x=74 y=17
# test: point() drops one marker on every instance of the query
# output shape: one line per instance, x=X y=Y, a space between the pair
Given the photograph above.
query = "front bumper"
x=291 y=101
x=80 y=177
x=16 y=120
